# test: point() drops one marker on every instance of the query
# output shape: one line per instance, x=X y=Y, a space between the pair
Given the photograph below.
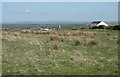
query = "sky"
x=60 y=0
x=59 y=11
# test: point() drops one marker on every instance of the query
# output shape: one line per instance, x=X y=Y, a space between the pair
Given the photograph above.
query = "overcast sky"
x=59 y=11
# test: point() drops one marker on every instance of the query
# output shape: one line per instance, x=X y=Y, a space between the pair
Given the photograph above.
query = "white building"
x=46 y=29
x=98 y=23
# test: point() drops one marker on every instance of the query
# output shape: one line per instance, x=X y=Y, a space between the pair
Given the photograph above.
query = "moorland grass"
x=82 y=52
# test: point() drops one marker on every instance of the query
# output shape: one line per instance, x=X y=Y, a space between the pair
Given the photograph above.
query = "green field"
x=60 y=52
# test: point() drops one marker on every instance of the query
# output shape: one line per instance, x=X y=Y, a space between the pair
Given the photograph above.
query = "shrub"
x=92 y=42
x=15 y=34
x=76 y=42
x=66 y=33
x=71 y=58
x=118 y=42
x=54 y=33
x=60 y=34
x=35 y=32
x=108 y=39
x=5 y=33
x=25 y=31
x=41 y=32
x=80 y=33
x=108 y=34
x=98 y=27
x=114 y=37
x=75 y=33
x=55 y=46
x=84 y=44
x=92 y=36
x=116 y=27
x=56 y=38
x=85 y=34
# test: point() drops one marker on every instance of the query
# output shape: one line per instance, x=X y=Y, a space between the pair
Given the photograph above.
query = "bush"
x=56 y=38
x=67 y=34
x=92 y=36
x=76 y=42
x=98 y=27
x=55 y=46
x=116 y=27
x=118 y=42
x=5 y=33
x=108 y=34
x=25 y=31
x=75 y=34
x=15 y=34
x=92 y=42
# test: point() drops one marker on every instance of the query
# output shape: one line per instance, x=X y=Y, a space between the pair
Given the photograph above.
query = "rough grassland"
x=87 y=52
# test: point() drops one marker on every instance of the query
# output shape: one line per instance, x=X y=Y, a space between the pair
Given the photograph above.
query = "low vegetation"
x=60 y=52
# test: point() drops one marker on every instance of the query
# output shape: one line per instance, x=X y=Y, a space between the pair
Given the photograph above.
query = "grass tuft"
x=76 y=42
x=92 y=42
x=55 y=46
x=16 y=34
x=56 y=38
x=92 y=36
x=108 y=34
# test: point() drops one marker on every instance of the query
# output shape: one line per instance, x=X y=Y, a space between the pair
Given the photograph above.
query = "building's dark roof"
x=94 y=23
x=97 y=22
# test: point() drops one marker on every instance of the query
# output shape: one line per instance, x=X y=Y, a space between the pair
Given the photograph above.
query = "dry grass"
x=41 y=32
x=56 y=38
x=45 y=32
x=16 y=34
x=25 y=31
x=75 y=33
x=53 y=32
x=67 y=33
x=108 y=34
x=55 y=46
x=5 y=33
x=92 y=36
x=58 y=54
x=85 y=34
x=60 y=34
x=76 y=42
x=37 y=32
x=92 y=42
x=118 y=42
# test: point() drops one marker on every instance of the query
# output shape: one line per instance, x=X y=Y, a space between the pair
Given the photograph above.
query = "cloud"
x=27 y=11
x=75 y=12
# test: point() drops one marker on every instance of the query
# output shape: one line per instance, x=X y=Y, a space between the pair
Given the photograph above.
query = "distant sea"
x=57 y=22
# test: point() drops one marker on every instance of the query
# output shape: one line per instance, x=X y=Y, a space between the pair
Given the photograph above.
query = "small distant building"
x=59 y=27
x=45 y=29
x=98 y=24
